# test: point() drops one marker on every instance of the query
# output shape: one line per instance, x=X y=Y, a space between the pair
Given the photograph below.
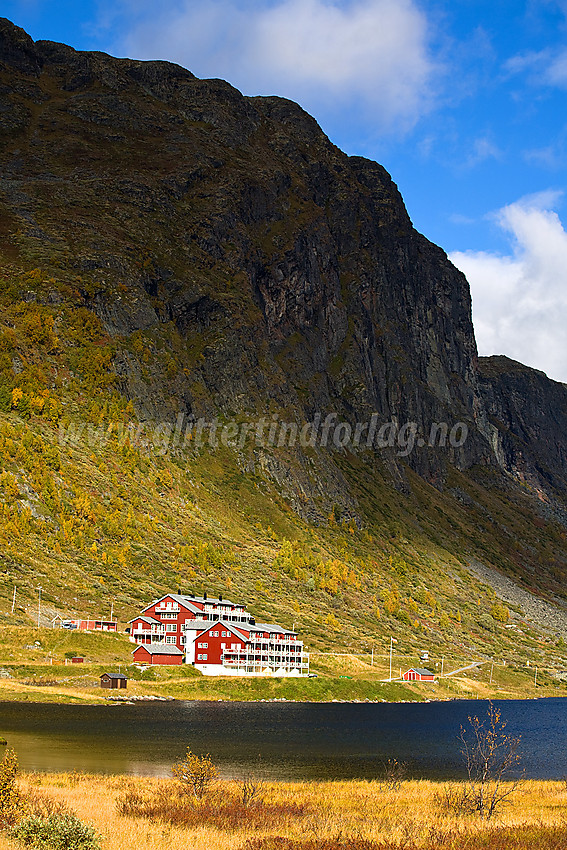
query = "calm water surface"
x=276 y=740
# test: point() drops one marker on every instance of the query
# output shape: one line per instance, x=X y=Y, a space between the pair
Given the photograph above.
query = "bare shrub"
x=491 y=755
x=394 y=774
x=39 y=804
x=253 y=791
x=170 y=804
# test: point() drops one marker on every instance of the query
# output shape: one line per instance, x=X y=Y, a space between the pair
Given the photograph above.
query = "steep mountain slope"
x=173 y=250
x=529 y=413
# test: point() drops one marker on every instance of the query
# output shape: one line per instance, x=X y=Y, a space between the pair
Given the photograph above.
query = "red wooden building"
x=218 y=637
x=418 y=674
x=86 y=625
x=162 y=621
x=157 y=653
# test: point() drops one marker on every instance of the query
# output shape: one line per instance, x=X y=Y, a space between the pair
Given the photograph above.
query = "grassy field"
x=355 y=814
x=35 y=666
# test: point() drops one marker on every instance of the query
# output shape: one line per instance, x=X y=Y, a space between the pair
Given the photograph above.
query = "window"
x=203 y=645
x=214 y=634
x=202 y=657
x=170 y=639
x=224 y=634
x=171 y=627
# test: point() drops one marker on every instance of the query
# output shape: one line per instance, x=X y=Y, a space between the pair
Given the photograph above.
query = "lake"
x=276 y=740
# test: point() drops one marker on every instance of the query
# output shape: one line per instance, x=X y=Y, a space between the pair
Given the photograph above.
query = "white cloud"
x=546 y=67
x=372 y=56
x=483 y=149
x=520 y=299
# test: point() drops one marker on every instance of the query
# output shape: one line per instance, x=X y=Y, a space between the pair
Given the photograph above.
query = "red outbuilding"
x=418 y=674
x=157 y=653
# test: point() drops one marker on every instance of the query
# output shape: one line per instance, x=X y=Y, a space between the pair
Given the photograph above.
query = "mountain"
x=173 y=251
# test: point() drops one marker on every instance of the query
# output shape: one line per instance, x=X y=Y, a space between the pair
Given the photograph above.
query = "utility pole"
x=111 y=610
x=535 y=677
x=392 y=641
x=39 y=606
x=372 y=658
x=491 y=670
x=14 y=600
x=442 y=664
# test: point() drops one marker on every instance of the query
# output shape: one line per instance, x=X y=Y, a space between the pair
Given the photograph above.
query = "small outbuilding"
x=113 y=680
x=158 y=653
x=418 y=674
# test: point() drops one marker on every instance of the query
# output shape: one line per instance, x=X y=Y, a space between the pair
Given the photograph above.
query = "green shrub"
x=9 y=794
x=56 y=832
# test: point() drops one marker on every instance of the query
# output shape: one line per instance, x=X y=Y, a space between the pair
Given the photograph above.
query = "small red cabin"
x=418 y=674
x=157 y=653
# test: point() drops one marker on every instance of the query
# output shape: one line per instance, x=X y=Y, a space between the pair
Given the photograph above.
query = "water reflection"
x=274 y=740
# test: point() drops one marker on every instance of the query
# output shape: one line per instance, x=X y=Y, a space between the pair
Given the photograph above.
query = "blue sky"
x=463 y=102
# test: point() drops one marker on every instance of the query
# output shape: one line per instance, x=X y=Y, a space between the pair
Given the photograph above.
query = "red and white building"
x=219 y=637
x=86 y=625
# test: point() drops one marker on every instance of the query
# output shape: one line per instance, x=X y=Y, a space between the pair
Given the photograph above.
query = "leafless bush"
x=222 y=808
x=394 y=773
x=491 y=755
x=253 y=791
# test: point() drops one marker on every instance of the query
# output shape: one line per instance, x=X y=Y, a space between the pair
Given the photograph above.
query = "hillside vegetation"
x=171 y=250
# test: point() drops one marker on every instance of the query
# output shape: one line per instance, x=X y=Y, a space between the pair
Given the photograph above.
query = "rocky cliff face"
x=528 y=414
x=242 y=264
x=232 y=226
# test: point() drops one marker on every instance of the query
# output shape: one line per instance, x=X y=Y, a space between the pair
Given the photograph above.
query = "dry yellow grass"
x=349 y=808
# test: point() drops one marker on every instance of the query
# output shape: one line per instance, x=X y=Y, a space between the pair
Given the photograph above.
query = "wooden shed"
x=113 y=680
x=418 y=674
x=157 y=653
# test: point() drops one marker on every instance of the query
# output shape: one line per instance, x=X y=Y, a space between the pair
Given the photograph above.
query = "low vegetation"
x=354 y=815
x=34 y=819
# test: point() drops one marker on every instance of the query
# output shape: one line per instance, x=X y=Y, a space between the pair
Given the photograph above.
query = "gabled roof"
x=271 y=627
x=146 y=619
x=184 y=601
x=198 y=625
x=421 y=670
x=159 y=649
x=214 y=600
x=187 y=601
x=113 y=676
x=223 y=625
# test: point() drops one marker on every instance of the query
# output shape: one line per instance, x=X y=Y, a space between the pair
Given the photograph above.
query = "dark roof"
x=422 y=671
x=184 y=601
x=113 y=676
x=272 y=627
x=159 y=648
x=145 y=619
x=236 y=630
x=187 y=601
